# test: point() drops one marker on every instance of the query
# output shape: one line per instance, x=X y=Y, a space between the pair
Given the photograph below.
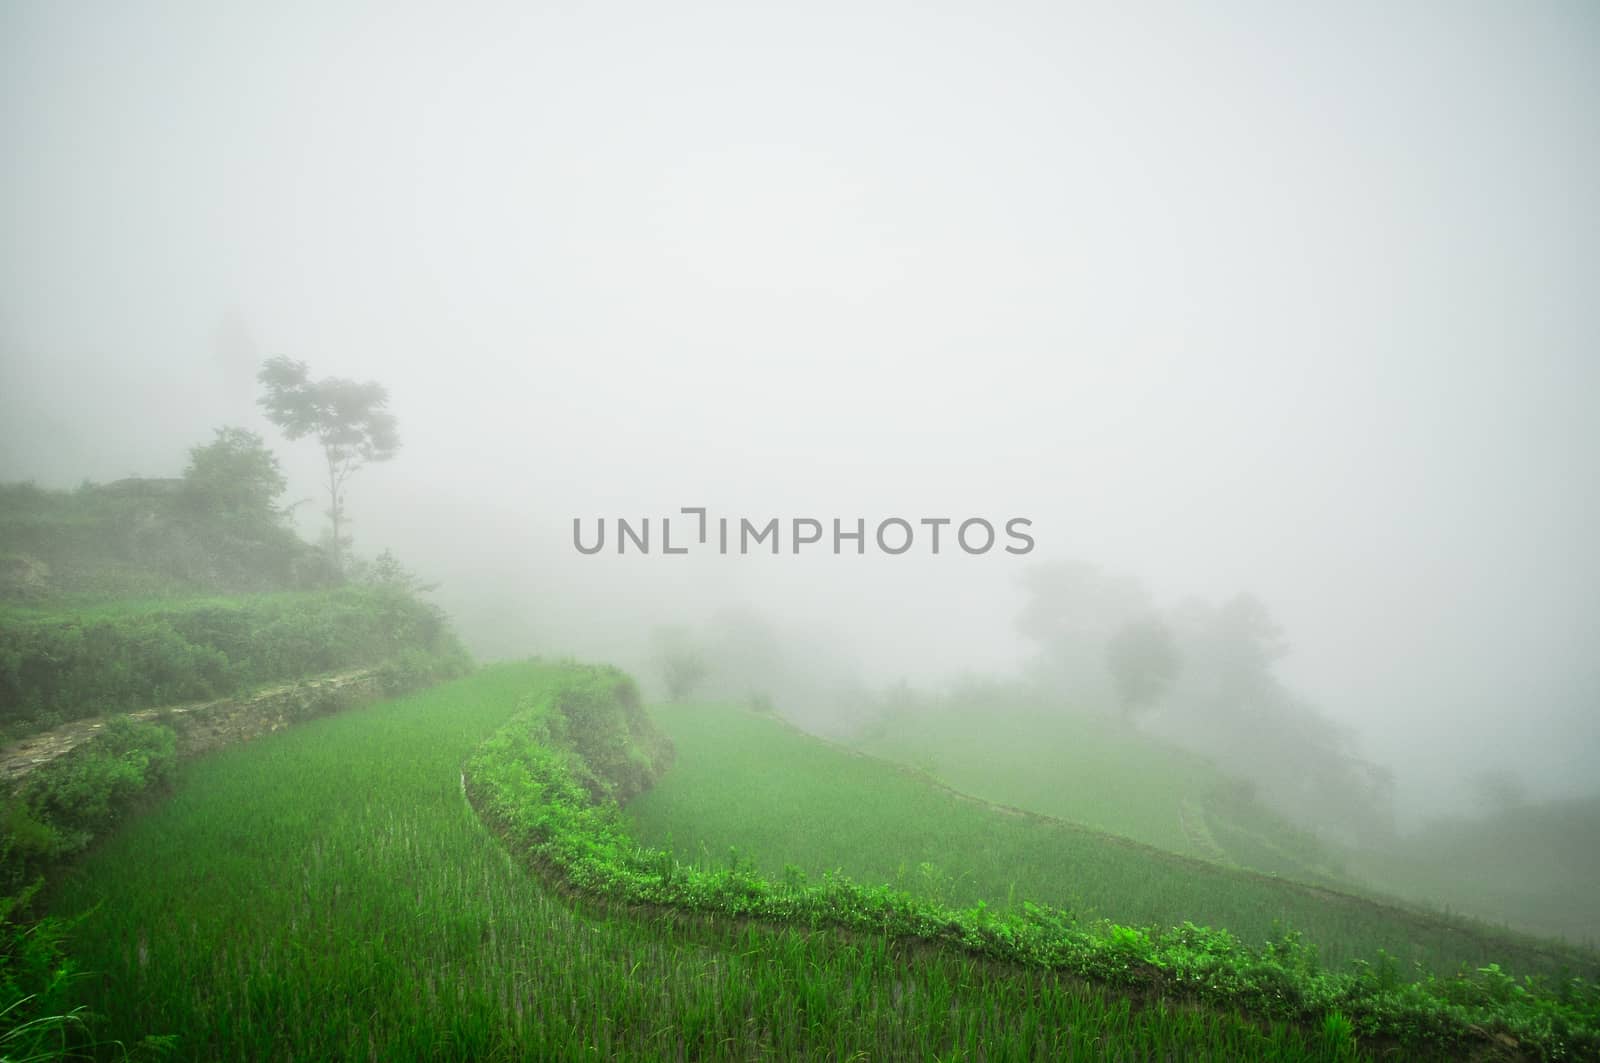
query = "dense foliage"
x=63 y=805
x=215 y=530
x=41 y=1017
x=70 y=664
x=524 y=780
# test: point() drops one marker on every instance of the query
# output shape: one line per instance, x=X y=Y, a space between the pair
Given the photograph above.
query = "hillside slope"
x=1097 y=771
x=776 y=797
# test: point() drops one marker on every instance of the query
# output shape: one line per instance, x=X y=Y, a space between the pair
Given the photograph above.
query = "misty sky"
x=1297 y=302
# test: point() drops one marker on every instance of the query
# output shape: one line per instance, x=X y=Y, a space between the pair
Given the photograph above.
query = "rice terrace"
x=427 y=859
x=863 y=532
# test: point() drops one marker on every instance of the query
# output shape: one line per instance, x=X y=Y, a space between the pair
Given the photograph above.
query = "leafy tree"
x=234 y=477
x=1075 y=600
x=1236 y=710
x=229 y=530
x=347 y=418
x=387 y=571
x=1143 y=659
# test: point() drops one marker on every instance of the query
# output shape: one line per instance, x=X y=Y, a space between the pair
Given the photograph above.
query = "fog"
x=1249 y=299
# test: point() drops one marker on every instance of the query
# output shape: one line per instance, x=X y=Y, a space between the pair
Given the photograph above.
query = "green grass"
x=753 y=784
x=1531 y=868
x=1046 y=759
x=1003 y=745
x=327 y=893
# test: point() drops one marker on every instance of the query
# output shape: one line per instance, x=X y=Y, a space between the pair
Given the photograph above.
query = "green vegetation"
x=215 y=530
x=39 y=1018
x=52 y=815
x=1204 y=675
x=526 y=783
x=151 y=592
x=1005 y=743
x=127 y=596
x=779 y=797
x=1527 y=866
x=341 y=900
x=1143 y=659
x=65 y=664
x=63 y=805
x=348 y=420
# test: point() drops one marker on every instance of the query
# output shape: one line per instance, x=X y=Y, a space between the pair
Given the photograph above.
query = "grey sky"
x=1300 y=301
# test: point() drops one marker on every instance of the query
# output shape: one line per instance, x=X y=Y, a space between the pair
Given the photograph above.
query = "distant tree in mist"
x=1070 y=609
x=228 y=515
x=387 y=571
x=234 y=477
x=681 y=662
x=1230 y=705
x=1212 y=668
x=347 y=418
x=748 y=651
x=1248 y=641
x=1143 y=659
x=1066 y=599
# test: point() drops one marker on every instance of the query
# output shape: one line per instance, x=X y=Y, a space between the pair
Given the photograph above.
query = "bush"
x=65 y=804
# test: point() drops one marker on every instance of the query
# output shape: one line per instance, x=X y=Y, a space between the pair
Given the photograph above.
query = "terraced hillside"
x=1097 y=771
x=1530 y=866
x=328 y=893
x=752 y=784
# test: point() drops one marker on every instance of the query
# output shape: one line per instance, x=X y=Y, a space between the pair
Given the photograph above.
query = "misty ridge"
x=1111 y=492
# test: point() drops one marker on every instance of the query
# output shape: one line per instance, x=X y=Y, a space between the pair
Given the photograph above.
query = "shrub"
x=63 y=805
